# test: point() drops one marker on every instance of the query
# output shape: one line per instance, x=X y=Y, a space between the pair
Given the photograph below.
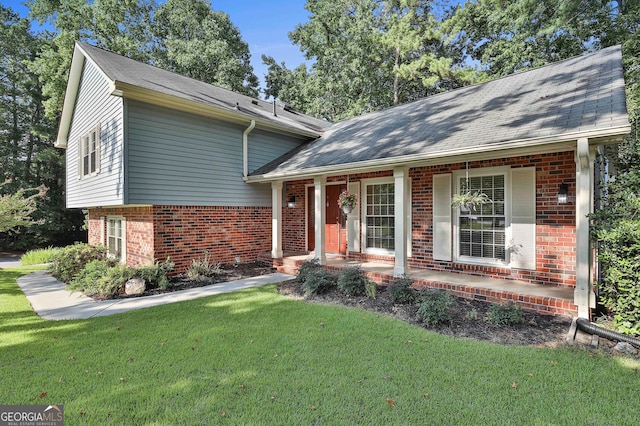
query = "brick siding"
x=555 y=224
x=227 y=233
x=183 y=233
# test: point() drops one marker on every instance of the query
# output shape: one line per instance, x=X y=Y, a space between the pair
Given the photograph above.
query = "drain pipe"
x=245 y=149
x=588 y=327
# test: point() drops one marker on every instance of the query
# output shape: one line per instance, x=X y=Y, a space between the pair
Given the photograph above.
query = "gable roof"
x=136 y=80
x=558 y=103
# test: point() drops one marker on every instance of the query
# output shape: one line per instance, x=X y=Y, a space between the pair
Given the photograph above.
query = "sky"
x=263 y=24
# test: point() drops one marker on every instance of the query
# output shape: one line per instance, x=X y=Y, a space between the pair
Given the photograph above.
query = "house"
x=168 y=166
x=159 y=160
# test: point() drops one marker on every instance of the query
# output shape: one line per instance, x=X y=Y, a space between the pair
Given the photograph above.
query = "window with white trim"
x=379 y=216
x=116 y=238
x=89 y=153
x=500 y=233
x=482 y=232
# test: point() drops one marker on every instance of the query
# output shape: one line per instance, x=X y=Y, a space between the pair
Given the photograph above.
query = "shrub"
x=318 y=281
x=435 y=307
x=101 y=278
x=401 y=290
x=370 y=289
x=70 y=260
x=307 y=267
x=204 y=267
x=39 y=256
x=616 y=230
x=352 y=281
x=620 y=285
x=504 y=314
x=154 y=276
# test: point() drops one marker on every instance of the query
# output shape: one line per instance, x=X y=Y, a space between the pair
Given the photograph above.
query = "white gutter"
x=245 y=149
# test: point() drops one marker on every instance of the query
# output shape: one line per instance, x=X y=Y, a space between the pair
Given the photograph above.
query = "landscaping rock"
x=134 y=286
x=625 y=348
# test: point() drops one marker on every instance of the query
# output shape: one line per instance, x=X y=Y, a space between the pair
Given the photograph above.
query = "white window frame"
x=363 y=192
x=85 y=151
x=479 y=172
x=123 y=237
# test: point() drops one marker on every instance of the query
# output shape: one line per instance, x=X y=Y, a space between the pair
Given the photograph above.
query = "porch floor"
x=541 y=299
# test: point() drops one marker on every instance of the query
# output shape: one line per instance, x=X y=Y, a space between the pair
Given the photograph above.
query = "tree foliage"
x=16 y=209
x=27 y=157
x=192 y=39
x=367 y=55
x=508 y=36
x=121 y=26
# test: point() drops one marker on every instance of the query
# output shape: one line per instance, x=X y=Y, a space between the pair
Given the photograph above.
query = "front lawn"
x=255 y=357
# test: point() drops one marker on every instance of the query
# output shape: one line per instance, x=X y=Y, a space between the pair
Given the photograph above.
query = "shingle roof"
x=582 y=95
x=124 y=70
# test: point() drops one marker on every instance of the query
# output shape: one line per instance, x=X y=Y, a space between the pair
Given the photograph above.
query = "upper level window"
x=89 y=153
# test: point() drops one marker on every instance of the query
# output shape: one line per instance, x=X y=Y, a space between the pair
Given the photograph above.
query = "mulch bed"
x=227 y=273
x=467 y=318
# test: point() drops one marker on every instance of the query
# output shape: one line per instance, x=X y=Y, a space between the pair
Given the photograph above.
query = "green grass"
x=38 y=256
x=254 y=357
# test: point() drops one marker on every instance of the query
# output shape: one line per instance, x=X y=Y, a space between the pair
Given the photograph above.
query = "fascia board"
x=80 y=57
x=137 y=93
x=73 y=83
x=557 y=143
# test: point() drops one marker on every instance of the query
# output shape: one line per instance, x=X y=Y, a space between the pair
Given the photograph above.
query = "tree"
x=192 y=39
x=508 y=36
x=27 y=157
x=121 y=26
x=369 y=54
x=616 y=225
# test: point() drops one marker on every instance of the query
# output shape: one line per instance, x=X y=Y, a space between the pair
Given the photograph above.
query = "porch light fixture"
x=563 y=194
x=292 y=202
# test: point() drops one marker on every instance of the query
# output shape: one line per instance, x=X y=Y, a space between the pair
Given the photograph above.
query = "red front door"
x=335 y=221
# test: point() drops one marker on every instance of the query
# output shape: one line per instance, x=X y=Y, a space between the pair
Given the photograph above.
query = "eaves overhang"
x=530 y=146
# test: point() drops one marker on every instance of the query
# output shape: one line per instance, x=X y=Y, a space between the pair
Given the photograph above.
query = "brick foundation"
x=537 y=304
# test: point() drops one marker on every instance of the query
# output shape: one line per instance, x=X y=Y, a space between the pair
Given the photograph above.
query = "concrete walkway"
x=50 y=299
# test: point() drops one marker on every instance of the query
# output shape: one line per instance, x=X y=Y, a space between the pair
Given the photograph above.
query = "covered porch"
x=541 y=299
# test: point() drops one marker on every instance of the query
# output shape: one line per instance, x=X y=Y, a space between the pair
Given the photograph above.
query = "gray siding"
x=265 y=147
x=95 y=105
x=176 y=158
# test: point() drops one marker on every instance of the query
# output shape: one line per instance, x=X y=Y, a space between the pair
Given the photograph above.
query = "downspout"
x=245 y=149
x=588 y=327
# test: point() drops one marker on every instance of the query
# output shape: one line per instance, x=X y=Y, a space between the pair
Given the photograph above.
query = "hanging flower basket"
x=469 y=201
x=347 y=202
